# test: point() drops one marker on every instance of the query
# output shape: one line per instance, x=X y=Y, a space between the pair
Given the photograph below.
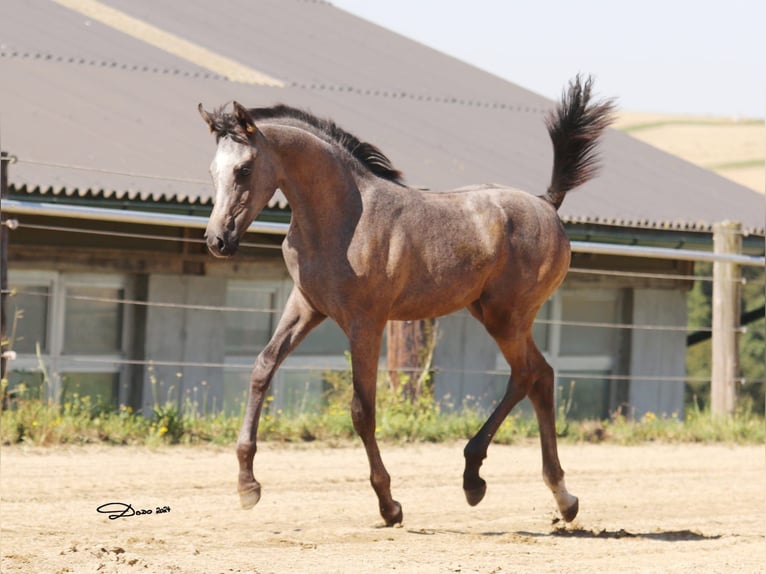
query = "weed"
x=400 y=418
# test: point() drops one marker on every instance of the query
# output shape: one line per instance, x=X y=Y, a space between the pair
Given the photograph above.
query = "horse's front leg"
x=296 y=322
x=365 y=351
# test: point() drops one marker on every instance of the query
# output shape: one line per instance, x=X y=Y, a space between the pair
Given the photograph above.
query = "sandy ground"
x=654 y=508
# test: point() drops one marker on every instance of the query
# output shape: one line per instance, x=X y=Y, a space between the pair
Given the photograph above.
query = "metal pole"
x=727 y=239
x=129 y=216
x=665 y=253
x=4 y=343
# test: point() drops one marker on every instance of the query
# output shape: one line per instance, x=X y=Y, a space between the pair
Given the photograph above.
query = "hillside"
x=732 y=147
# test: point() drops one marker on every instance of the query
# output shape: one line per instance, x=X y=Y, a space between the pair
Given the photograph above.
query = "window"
x=102 y=388
x=92 y=320
x=584 y=395
x=587 y=306
x=248 y=327
x=247 y=332
x=584 y=350
x=326 y=339
x=26 y=382
x=298 y=384
x=583 y=356
x=542 y=328
x=28 y=309
x=79 y=324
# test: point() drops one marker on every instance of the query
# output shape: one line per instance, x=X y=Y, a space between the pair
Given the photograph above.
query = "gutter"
x=593 y=233
x=275 y=228
x=665 y=253
x=127 y=216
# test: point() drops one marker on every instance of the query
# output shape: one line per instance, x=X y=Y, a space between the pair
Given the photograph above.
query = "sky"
x=668 y=56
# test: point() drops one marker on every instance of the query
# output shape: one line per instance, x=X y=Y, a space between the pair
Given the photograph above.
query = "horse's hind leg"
x=541 y=395
x=532 y=376
x=476 y=450
x=296 y=322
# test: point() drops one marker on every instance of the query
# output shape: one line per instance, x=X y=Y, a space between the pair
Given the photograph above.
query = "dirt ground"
x=654 y=508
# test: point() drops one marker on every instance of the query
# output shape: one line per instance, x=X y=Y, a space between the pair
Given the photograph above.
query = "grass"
x=743 y=427
x=81 y=420
x=731 y=147
x=736 y=164
x=679 y=121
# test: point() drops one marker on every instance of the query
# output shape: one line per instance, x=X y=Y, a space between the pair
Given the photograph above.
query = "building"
x=111 y=185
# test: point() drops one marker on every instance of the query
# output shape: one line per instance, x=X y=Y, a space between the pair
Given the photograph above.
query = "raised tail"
x=575 y=127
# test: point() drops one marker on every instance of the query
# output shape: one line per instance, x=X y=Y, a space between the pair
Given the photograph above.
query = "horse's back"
x=531 y=245
x=529 y=218
x=442 y=249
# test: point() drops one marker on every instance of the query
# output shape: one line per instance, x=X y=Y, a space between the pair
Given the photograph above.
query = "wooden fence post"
x=727 y=292
x=410 y=349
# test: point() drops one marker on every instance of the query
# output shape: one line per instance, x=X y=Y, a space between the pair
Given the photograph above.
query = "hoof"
x=570 y=513
x=394 y=517
x=475 y=495
x=250 y=496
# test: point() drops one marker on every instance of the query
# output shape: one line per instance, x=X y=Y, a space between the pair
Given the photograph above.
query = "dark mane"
x=366 y=153
x=369 y=155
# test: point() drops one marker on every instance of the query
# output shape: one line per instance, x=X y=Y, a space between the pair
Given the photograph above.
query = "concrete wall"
x=184 y=335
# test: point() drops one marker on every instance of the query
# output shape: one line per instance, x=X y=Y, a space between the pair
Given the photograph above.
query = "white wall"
x=657 y=353
x=463 y=346
x=184 y=335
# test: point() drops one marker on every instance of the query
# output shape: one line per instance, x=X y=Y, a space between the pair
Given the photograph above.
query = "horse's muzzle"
x=222 y=245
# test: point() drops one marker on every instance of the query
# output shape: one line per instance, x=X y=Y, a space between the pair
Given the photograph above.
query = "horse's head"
x=244 y=177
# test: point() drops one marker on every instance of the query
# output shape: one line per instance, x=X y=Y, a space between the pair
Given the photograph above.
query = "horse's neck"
x=318 y=184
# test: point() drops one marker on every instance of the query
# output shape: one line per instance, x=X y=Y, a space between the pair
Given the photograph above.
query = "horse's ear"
x=207 y=117
x=244 y=118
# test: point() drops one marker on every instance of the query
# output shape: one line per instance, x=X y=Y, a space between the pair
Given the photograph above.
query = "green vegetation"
x=752 y=343
x=80 y=421
x=75 y=418
x=758 y=162
x=691 y=122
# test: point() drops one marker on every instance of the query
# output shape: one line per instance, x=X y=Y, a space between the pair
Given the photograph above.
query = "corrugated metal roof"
x=79 y=95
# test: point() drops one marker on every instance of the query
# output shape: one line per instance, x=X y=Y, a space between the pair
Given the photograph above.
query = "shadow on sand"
x=663 y=535
x=577 y=532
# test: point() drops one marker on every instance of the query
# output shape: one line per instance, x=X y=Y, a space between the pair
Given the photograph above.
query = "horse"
x=363 y=248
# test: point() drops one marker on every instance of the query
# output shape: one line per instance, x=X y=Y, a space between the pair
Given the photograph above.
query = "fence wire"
x=236 y=309
x=434 y=369
x=128 y=235
x=574 y=270
x=324 y=368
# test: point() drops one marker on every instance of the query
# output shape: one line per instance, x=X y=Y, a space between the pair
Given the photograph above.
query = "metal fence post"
x=5 y=159
x=727 y=292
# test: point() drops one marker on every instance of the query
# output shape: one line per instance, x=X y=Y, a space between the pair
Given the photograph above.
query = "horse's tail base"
x=575 y=126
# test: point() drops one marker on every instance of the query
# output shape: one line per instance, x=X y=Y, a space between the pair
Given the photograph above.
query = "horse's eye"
x=244 y=171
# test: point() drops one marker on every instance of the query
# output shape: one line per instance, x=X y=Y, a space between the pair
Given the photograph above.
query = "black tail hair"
x=575 y=127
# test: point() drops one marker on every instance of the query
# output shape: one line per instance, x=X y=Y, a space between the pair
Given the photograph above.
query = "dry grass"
x=734 y=148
